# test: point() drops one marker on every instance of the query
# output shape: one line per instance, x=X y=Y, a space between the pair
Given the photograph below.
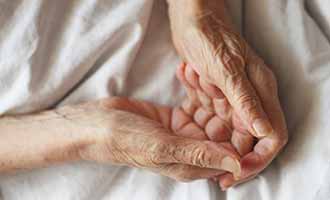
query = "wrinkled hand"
x=212 y=112
x=139 y=134
x=203 y=36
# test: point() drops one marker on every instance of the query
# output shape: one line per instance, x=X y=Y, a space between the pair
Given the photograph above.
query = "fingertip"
x=262 y=127
x=232 y=165
x=252 y=163
x=243 y=142
x=226 y=181
x=192 y=77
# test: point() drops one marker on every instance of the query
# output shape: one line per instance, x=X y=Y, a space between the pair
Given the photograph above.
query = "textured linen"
x=61 y=52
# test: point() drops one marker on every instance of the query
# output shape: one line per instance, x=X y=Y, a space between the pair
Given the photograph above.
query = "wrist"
x=196 y=9
x=197 y=16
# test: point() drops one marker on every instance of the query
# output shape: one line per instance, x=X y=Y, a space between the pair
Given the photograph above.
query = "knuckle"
x=243 y=94
x=247 y=102
x=158 y=153
x=235 y=83
x=200 y=155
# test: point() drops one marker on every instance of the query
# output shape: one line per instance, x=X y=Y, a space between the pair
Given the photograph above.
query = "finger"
x=205 y=154
x=265 y=83
x=179 y=119
x=193 y=131
x=238 y=124
x=223 y=109
x=189 y=106
x=199 y=83
x=183 y=125
x=186 y=173
x=205 y=100
x=180 y=74
x=229 y=146
x=210 y=89
x=202 y=116
x=252 y=164
x=227 y=180
x=165 y=114
x=192 y=102
x=242 y=96
x=192 y=77
x=241 y=138
x=210 y=96
x=267 y=148
x=243 y=142
x=217 y=130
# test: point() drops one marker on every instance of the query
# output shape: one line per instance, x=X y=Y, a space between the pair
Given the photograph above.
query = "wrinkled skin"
x=232 y=95
x=214 y=117
x=139 y=128
x=211 y=99
x=204 y=37
x=144 y=135
x=117 y=131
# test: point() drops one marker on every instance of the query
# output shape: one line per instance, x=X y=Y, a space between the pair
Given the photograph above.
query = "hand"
x=138 y=134
x=204 y=38
x=265 y=150
x=211 y=102
x=212 y=112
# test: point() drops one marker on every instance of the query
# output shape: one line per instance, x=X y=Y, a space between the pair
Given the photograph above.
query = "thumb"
x=205 y=154
x=246 y=103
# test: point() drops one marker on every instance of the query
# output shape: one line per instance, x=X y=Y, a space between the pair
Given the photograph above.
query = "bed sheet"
x=61 y=52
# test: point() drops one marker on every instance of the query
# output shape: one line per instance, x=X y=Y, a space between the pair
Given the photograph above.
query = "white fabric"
x=63 y=52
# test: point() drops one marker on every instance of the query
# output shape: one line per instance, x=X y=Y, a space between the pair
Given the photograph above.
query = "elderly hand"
x=204 y=38
x=212 y=112
x=117 y=131
x=139 y=135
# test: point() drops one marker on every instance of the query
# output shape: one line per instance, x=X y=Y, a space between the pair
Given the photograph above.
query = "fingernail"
x=262 y=127
x=231 y=165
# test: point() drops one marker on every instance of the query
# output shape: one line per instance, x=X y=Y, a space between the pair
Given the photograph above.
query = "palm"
x=204 y=115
